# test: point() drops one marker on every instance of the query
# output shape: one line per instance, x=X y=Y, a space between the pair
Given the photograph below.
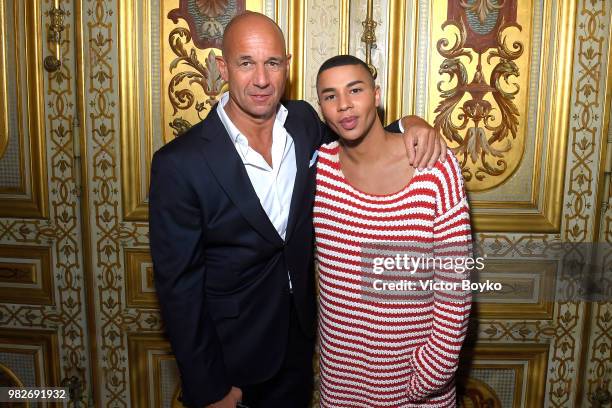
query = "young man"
x=231 y=232
x=386 y=348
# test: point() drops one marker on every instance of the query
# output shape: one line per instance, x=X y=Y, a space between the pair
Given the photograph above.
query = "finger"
x=443 y=149
x=428 y=151
x=410 y=150
x=421 y=149
x=431 y=148
x=436 y=154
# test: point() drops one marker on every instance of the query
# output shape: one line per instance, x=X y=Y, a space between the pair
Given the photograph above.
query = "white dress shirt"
x=273 y=185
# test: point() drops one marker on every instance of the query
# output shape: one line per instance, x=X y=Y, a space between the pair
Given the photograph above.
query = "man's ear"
x=222 y=67
x=288 y=64
x=377 y=95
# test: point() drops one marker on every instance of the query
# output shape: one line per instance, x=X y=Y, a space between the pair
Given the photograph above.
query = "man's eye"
x=356 y=90
x=245 y=63
x=328 y=97
x=274 y=65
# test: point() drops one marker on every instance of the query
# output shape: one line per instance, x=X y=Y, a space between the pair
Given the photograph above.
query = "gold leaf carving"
x=482 y=130
x=205 y=76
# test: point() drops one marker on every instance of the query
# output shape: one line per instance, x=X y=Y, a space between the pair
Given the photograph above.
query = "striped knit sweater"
x=389 y=349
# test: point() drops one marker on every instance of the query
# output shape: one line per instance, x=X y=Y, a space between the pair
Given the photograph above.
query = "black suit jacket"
x=220 y=266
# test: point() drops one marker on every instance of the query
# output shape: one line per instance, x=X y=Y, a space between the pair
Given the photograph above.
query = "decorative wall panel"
x=504 y=375
x=574 y=204
x=380 y=51
x=42 y=236
x=337 y=26
x=526 y=291
x=23 y=170
x=597 y=371
x=30 y=357
x=26 y=275
x=492 y=78
x=589 y=103
x=493 y=92
x=323 y=38
x=140 y=289
x=498 y=385
x=152 y=368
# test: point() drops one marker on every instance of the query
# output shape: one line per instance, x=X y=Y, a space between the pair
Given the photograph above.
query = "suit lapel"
x=300 y=141
x=225 y=163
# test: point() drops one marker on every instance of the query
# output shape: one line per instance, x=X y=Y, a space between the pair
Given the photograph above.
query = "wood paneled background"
x=530 y=125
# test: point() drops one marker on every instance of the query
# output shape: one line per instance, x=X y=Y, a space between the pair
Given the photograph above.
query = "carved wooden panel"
x=29 y=357
x=140 y=289
x=503 y=375
x=23 y=163
x=497 y=90
x=42 y=296
x=526 y=293
x=26 y=275
x=153 y=368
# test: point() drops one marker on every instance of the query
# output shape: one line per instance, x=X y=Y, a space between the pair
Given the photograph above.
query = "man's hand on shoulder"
x=230 y=400
x=424 y=145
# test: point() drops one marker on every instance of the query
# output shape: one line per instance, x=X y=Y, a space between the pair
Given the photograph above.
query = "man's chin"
x=264 y=112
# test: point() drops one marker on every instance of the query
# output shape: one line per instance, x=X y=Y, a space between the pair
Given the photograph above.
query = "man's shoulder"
x=295 y=104
x=183 y=142
x=195 y=135
x=299 y=108
x=301 y=115
x=187 y=147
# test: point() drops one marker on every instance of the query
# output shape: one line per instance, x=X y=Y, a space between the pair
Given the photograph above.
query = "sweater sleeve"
x=434 y=362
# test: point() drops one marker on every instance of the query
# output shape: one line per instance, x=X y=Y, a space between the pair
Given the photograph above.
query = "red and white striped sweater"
x=376 y=352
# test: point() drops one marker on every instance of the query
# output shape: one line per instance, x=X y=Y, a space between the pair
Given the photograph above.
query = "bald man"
x=232 y=236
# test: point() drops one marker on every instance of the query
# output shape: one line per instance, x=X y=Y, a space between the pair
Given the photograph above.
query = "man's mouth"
x=261 y=97
x=349 y=122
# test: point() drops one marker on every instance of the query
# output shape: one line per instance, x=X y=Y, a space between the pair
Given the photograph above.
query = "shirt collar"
x=232 y=130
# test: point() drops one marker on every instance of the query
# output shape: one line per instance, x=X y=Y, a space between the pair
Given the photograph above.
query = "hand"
x=430 y=145
x=230 y=400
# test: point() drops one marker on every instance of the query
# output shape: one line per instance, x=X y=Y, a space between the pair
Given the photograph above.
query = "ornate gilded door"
x=44 y=339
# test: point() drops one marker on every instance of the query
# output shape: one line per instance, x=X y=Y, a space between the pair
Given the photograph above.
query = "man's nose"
x=344 y=102
x=261 y=76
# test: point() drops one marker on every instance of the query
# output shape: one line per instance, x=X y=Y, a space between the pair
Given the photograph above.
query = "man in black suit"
x=231 y=232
